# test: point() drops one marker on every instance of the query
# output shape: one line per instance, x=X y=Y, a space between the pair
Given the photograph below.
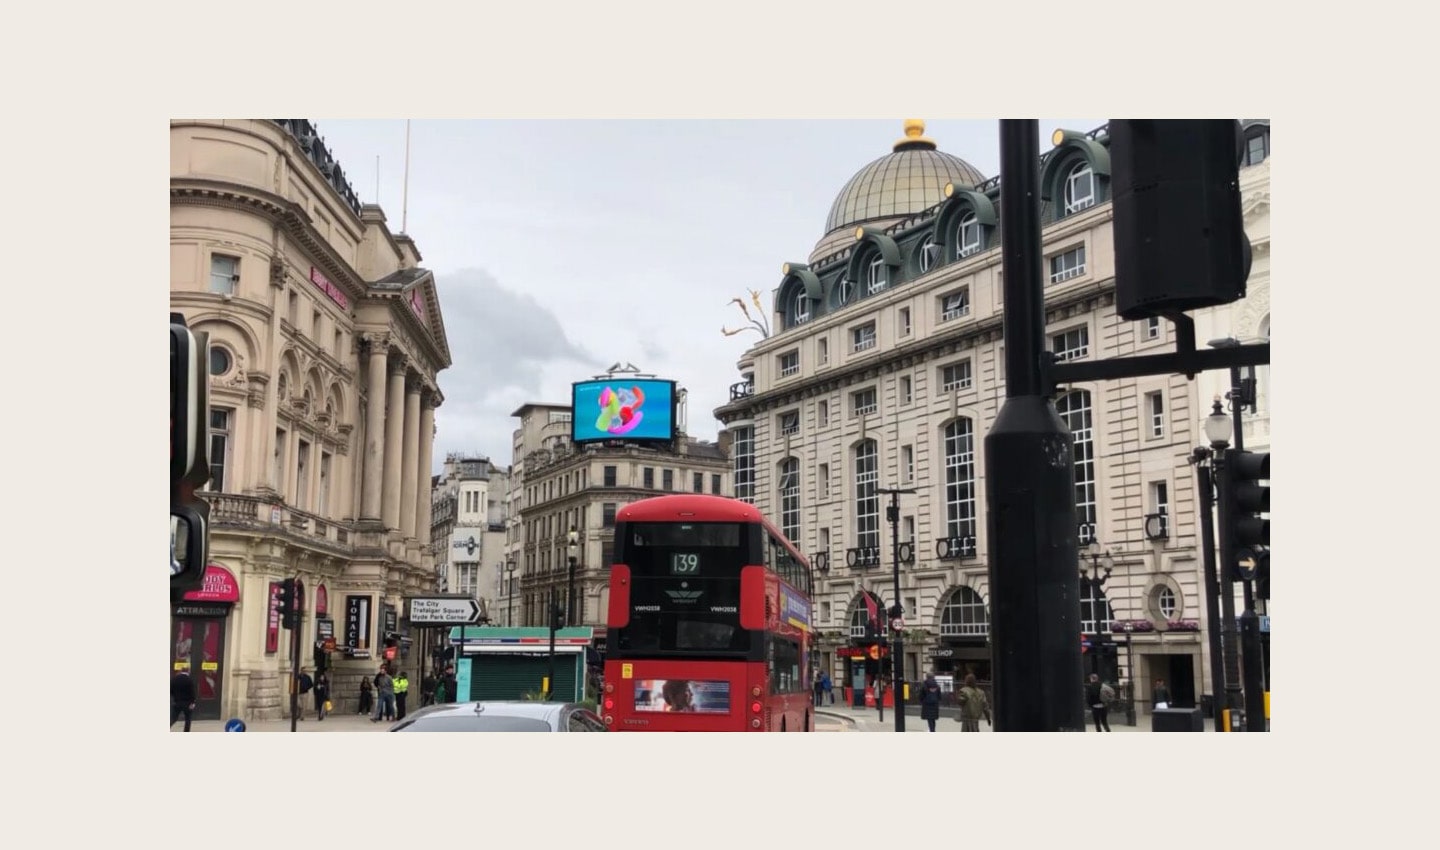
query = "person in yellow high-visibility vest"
x=402 y=687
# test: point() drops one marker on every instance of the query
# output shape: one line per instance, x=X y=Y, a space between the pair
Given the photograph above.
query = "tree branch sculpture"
x=760 y=325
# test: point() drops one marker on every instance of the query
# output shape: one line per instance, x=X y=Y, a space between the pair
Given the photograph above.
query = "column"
x=394 y=445
x=428 y=403
x=260 y=431
x=410 y=455
x=374 y=453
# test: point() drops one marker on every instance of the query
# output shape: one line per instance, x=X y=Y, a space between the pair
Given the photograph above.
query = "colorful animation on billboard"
x=620 y=411
x=637 y=409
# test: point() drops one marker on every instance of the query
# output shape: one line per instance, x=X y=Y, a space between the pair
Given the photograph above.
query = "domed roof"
x=898 y=184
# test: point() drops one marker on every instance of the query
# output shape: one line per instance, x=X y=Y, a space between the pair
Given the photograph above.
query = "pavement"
x=868 y=720
x=332 y=723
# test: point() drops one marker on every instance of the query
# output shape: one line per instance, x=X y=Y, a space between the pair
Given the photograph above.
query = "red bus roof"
x=691 y=506
x=698 y=507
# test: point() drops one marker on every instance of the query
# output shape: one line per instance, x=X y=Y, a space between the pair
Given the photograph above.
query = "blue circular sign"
x=234 y=724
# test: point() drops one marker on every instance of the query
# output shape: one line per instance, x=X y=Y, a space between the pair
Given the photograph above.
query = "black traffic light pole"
x=553 y=611
x=1212 y=583
x=897 y=646
x=1030 y=489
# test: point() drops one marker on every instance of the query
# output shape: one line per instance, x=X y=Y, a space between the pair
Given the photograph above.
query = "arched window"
x=867 y=501
x=959 y=452
x=964 y=614
x=790 y=499
x=967 y=236
x=843 y=291
x=860 y=614
x=929 y=254
x=1079 y=188
x=875 y=275
x=1074 y=408
x=800 y=311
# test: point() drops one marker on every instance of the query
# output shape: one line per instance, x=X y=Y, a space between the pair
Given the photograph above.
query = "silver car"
x=502 y=716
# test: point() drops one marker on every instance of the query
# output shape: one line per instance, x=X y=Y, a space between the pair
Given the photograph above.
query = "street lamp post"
x=1130 y=672
x=510 y=594
x=1098 y=562
x=897 y=613
x=1217 y=431
x=572 y=551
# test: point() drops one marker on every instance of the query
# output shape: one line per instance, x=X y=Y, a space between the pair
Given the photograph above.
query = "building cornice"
x=283 y=213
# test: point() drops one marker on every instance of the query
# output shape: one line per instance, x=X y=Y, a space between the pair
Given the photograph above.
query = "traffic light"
x=1243 y=499
x=189 y=465
x=1180 y=240
x=289 y=604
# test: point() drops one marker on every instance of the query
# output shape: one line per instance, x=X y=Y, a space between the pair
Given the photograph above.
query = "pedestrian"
x=365 y=697
x=819 y=689
x=1095 y=698
x=825 y=684
x=182 y=698
x=452 y=692
x=304 y=685
x=427 y=688
x=1160 y=695
x=322 y=694
x=384 y=696
x=973 y=705
x=402 y=689
x=930 y=701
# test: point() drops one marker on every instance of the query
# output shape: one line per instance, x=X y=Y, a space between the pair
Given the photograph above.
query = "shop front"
x=198 y=625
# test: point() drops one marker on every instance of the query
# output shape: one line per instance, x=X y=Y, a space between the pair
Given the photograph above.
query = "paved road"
x=834 y=718
x=868 y=720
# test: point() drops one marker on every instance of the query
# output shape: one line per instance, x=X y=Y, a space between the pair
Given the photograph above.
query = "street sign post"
x=443 y=610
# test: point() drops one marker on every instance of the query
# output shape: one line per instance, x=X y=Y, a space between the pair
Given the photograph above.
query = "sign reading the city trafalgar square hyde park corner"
x=443 y=611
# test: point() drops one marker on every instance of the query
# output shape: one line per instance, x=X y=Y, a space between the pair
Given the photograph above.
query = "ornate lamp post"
x=510 y=593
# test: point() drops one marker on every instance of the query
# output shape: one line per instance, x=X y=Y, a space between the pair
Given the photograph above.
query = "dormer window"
x=1079 y=188
x=844 y=291
x=802 y=306
x=1257 y=145
x=875 y=275
x=967 y=239
x=929 y=254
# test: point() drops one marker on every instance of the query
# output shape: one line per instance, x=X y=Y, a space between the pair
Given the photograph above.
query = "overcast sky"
x=562 y=247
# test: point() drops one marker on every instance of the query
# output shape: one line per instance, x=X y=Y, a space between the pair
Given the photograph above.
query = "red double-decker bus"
x=709 y=621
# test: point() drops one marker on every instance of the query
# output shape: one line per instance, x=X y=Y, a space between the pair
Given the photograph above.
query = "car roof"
x=499 y=708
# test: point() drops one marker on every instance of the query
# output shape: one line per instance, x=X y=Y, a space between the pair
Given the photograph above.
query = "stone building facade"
x=886 y=370
x=326 y=338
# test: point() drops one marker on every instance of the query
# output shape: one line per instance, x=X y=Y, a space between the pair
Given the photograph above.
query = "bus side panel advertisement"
x=693 y=695
x=794 y=609
x=621 y=409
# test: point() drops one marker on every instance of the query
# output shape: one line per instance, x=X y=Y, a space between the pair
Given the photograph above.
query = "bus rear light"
x=755 y=724
x=609 y=687
x=755 y=691
x=755 y=707
x=609 y=720
x=609 y=704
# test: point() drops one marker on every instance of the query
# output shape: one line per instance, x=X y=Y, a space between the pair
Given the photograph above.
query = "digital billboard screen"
x=620 y=409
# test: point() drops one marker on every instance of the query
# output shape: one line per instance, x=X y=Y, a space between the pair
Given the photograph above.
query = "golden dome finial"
x=914 y=135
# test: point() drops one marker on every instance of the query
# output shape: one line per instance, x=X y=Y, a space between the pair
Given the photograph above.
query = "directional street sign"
x=443 y=611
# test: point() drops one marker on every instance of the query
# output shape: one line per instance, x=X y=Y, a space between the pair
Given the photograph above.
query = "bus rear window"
x=684 y=588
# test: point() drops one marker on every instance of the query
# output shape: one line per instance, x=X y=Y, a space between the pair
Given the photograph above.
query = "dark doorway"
x=198 y=646
x=1182 y=681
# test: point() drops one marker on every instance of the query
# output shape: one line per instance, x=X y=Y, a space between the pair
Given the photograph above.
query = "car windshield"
x=471 y=723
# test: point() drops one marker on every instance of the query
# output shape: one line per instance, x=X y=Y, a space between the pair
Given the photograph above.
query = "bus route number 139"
x=684 y=564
